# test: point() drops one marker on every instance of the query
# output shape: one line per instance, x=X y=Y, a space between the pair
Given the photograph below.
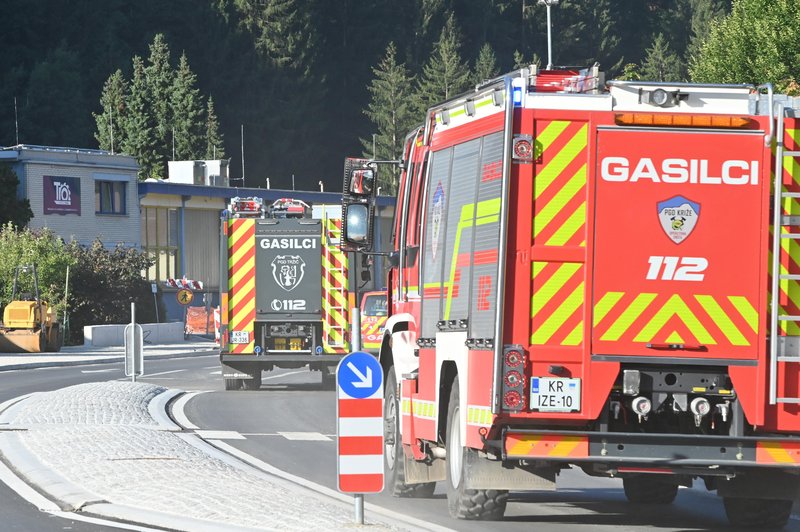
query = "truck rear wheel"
x=651 y=489
x=763 y=514
x=255 y=382
x=461 y=502
x=393 y=467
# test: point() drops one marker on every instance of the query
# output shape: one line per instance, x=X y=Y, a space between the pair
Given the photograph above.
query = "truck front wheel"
x=394 y=471
x=461 y=502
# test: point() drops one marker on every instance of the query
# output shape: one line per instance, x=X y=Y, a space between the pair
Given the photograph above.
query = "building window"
x=109 y=197
x=160 y=241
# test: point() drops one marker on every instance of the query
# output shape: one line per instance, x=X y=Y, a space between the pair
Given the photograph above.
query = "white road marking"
x=218 y=372
x=284 y=374
x=211 y=367
x=304 y=436
x=178 y=412
x=219 y=435
x=165 y=372
x=99 y=370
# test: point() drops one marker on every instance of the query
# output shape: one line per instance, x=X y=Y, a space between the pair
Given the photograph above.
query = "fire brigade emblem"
x=678 y=217
x=288 y=271
x=437 y=215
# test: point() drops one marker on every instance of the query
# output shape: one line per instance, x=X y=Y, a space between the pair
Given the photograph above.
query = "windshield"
x=375 y=305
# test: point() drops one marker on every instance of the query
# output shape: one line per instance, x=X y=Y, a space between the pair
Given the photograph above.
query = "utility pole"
x=16 y=119
x=243 y=155
x=548 y=4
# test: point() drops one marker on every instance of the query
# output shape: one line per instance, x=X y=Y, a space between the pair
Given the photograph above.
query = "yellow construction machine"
x=29 y=324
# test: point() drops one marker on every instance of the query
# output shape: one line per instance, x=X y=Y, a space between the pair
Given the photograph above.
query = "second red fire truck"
x=598 y=275
x=284 y=297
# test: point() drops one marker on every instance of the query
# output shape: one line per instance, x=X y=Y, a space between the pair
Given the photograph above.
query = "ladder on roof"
x=336 y=317
x=784 y=348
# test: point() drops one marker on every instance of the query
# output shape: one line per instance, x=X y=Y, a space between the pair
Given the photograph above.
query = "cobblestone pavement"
x=102 y=449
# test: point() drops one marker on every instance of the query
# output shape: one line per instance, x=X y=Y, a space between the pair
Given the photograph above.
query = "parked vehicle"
x=598 y=275
x=284 y=291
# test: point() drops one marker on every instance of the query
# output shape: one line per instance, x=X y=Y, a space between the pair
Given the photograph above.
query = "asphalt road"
x=290 y=423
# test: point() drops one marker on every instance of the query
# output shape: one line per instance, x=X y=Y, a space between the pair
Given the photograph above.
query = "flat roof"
x=268 y=194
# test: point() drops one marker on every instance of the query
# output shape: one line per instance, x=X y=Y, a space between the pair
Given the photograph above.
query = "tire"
x=393 y=468
x=255 y=382
x=763 y=514
x=465 y=503
x=232 y=384
x=649 y=489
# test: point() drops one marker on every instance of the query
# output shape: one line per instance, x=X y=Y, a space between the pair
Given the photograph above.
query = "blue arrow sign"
x=359 y=375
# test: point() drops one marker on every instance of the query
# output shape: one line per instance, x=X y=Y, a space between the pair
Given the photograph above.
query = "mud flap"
x=417 y=472
x=484 y=474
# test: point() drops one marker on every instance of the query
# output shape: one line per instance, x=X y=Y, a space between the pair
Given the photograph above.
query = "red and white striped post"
x=359 y=414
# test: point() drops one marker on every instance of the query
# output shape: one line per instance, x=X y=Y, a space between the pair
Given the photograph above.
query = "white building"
x=80 y=194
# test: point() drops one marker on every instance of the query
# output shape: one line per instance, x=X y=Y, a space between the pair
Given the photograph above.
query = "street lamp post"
x=548 y=3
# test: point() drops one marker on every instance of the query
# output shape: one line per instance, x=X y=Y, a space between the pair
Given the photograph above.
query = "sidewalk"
x=108 y=449
x=82 y=354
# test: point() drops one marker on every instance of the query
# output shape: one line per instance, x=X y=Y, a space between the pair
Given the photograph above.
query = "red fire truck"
x=599 y=275
x=274 y=311
x=374 y=313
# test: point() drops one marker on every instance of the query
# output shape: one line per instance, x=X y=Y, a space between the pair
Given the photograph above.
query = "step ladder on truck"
x=598 y=275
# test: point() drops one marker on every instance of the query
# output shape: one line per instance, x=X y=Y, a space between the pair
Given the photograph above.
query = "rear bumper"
x=667 y=451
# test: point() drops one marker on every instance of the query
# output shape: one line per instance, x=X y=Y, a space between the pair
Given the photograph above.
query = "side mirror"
x=358 y=205
x=357 y=224
x=362 y=182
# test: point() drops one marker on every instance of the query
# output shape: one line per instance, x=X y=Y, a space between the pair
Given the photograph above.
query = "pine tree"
x=390 y=110
x=215 y=148
x=110 y=122
x=445 y=74
x=486 y=64
x=521 y=62
x=188 y=124
x=282 y=31
x=705 y=14
x=141 y=139
x=160 y=76
x=661 y=63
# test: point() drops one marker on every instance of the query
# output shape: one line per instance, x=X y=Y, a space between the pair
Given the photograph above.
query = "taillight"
x=513 y=378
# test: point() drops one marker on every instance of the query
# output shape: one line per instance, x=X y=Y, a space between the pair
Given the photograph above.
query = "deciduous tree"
x=15 y=211
x=758 y=42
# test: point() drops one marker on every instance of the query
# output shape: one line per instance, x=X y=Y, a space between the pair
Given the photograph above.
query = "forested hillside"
x=306 y=81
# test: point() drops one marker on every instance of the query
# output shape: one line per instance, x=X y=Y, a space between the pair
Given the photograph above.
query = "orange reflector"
x=546 y=446
x=681 y=120
x=778 y=452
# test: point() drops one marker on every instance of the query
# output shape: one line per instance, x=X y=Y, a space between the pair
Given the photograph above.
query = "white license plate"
x=551 y=394
x=240 y=337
